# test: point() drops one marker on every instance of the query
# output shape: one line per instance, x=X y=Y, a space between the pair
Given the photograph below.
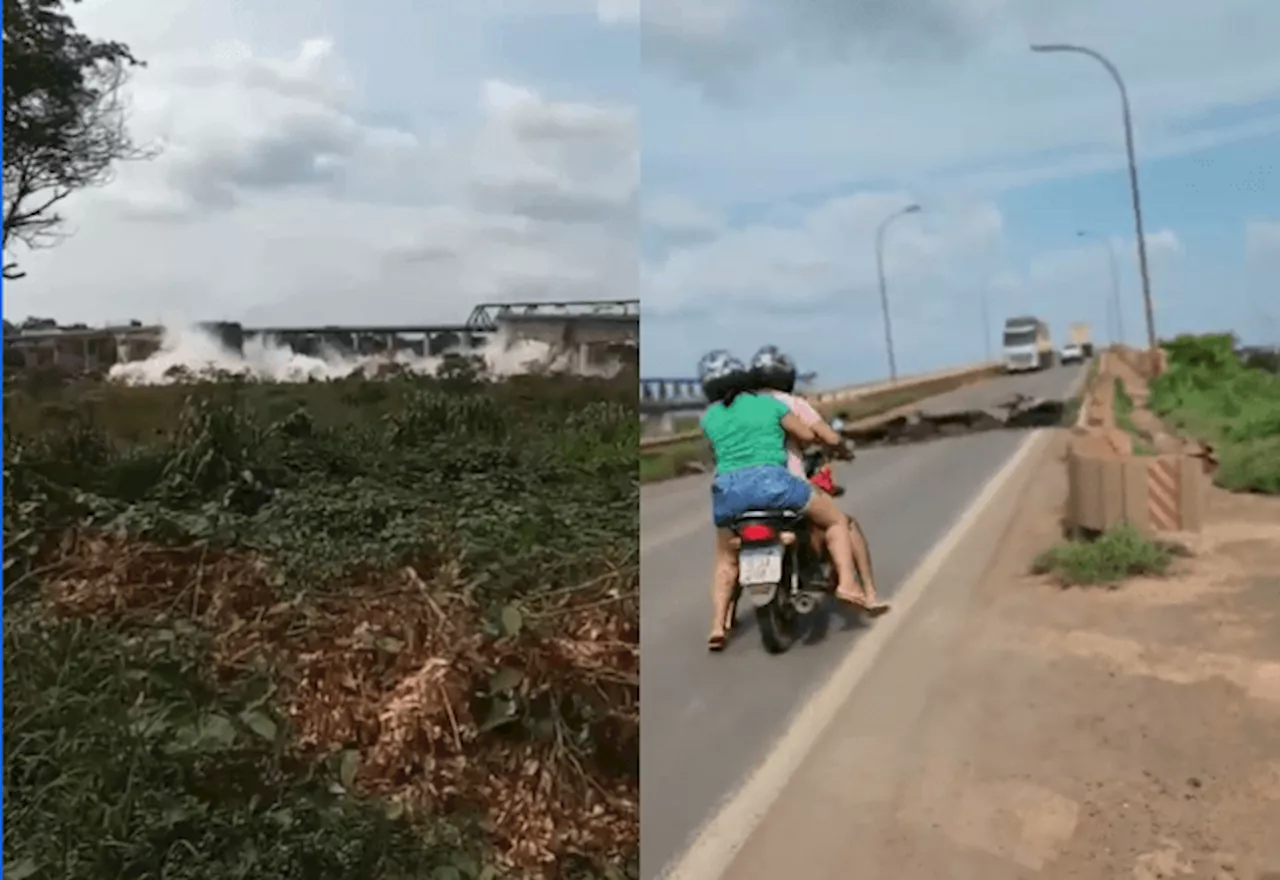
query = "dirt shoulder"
x=1013 y=729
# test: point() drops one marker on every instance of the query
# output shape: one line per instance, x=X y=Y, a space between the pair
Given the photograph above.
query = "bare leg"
x=817 y=539
x=825 y=514
x=723 y=580
x=862 y=558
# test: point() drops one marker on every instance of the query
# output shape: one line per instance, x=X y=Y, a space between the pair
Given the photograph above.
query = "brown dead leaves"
x=399 y=675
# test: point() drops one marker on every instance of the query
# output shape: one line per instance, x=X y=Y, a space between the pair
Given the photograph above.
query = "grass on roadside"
x=667 y=462
x=1118 y=553
x=1209 y=394
x=1123 y=405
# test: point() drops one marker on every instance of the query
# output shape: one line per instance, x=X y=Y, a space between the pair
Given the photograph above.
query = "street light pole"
x=986 y=326
x=1133 y=174
x=1115 y=286
x=884 y=293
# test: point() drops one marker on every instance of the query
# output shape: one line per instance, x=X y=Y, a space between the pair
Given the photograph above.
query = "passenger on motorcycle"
x=748 y=432
x=775 y=374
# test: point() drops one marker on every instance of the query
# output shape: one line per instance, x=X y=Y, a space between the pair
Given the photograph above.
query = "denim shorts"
x=765 y=487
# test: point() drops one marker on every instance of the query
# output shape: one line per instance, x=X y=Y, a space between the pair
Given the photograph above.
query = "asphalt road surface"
x=708 y=720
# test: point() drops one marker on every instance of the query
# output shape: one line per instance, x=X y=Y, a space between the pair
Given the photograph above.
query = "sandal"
x=876 y=609
x=859 y=601
x=717 y=643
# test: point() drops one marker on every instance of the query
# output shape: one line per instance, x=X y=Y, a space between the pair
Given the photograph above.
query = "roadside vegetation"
x=1117 y=554
x=1208 y=393
x=359 y=629
x=1123 y=405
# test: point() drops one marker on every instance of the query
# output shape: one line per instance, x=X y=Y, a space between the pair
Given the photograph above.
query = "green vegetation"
x=360 y=629
x=1123 y=405
x=666 y=462
x=1267 y=361
x=1117 y=554
x=1208 y=393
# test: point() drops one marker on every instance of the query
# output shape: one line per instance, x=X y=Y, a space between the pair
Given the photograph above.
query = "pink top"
x=801 y=409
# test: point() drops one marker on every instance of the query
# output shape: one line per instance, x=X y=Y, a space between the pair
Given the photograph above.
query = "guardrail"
x=825 y=401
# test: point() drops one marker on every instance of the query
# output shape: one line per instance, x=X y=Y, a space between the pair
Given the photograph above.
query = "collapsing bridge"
x=590 y=333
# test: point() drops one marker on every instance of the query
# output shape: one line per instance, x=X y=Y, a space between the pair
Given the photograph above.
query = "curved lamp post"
x=1133 y=172
x=884 y=294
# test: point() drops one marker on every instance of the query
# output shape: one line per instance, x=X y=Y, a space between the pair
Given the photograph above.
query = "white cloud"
x=812 y=95
x=1164 y=241
x=680 y=221
x=278 y=199
x=828 y=252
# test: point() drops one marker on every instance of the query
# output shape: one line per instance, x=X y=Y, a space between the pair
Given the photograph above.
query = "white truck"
x=1027 y=345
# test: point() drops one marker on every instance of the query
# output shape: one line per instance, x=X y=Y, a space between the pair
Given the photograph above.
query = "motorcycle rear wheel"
x=778 y=623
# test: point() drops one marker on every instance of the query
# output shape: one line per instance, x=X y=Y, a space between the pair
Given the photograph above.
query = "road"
x=1012 y=729
x=709 y=719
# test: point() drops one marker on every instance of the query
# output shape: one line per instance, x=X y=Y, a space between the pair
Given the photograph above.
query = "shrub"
x=213 y=590
x=1210 y=393
x=1119 y=553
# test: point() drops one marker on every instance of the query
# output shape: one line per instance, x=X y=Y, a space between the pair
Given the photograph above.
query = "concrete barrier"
x=1108 y=484
x=829 y=402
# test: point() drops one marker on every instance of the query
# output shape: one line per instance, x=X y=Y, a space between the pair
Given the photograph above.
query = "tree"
x=64 y=118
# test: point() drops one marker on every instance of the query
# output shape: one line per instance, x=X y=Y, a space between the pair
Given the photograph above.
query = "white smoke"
x=191 y=352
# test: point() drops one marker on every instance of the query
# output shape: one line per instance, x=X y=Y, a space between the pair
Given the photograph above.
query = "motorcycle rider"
x=775 y=374
x=748 y=433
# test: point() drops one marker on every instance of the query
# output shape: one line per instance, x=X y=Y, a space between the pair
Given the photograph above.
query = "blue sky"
x=727 y=161
x=781 y=160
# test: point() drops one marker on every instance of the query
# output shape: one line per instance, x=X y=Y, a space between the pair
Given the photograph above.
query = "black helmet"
x=720 y=373
x=774 y=370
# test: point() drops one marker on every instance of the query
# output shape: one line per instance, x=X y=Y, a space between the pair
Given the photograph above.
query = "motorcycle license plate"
x=759 y=565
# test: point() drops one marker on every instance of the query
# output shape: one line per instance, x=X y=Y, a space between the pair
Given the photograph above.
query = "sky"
x=727 y=161
x=327 y=161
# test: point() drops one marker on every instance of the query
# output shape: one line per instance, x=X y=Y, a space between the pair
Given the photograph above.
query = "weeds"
x=347 y=630
x=1124 y=406
x=1209 y=393
x=1118 y=553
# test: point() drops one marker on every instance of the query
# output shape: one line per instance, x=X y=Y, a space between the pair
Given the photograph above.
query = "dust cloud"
x=191 y=352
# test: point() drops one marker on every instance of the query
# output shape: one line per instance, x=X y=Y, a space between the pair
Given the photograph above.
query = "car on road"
x=1071 y=354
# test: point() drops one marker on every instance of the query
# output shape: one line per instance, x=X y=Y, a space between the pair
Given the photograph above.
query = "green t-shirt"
x=747 y=433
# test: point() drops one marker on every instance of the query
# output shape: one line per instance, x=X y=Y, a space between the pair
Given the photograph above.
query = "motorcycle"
x=778 y=570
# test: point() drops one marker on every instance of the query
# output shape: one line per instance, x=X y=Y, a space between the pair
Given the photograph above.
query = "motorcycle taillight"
x=757 y=532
